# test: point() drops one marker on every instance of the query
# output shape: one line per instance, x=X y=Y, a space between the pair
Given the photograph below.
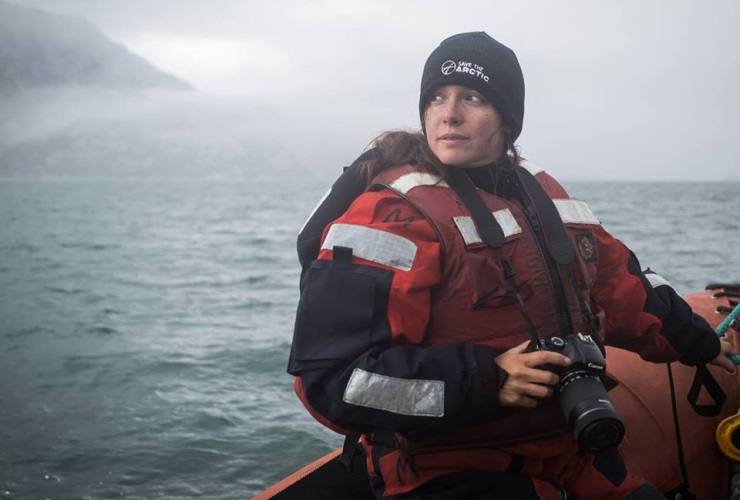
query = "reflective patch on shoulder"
x=656 y=280
x=375 y=245
x=418 y=398
x=575 y=212
x=531 y=167
x=407 y=182
x=469 y=232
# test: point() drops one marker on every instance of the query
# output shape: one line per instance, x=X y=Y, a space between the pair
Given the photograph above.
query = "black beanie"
x=477 y=61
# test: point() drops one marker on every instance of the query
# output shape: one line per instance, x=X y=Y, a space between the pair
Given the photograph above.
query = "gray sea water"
x=145 y=325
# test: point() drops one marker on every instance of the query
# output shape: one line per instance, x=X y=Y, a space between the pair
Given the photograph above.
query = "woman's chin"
x=464 y=161
x=457 y=160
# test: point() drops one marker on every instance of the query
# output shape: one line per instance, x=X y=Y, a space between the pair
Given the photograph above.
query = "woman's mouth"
x=452 y=138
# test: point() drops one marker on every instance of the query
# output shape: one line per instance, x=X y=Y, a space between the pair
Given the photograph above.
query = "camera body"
x=582 y=351
x=583 y=398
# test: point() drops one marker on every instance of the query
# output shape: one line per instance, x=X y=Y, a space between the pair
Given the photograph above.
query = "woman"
x=418 y=321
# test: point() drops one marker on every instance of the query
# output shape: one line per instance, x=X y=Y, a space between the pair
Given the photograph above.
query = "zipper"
x=564 y=320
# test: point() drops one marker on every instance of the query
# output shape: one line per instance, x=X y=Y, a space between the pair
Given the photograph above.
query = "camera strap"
x=559 y=244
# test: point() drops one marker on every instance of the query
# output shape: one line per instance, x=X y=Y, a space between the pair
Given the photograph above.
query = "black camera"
x=583 y=397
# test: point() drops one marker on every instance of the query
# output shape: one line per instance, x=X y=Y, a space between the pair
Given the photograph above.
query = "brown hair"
x=400 y=147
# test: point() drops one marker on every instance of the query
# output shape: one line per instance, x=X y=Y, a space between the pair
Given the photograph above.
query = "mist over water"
x=135 y=134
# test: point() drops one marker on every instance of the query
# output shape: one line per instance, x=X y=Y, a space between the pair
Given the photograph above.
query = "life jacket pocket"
x=488 y=284
x=341 y=313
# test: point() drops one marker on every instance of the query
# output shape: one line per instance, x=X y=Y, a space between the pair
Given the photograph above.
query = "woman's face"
x=463 y=128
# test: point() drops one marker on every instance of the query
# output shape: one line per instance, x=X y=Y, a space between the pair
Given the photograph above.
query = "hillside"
x=39 y=49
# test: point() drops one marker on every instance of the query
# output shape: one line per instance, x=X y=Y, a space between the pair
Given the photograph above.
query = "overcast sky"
x=615 y=89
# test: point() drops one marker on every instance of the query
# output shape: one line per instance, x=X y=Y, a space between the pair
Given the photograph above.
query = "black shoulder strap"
x=488 y=228
x=558 y=242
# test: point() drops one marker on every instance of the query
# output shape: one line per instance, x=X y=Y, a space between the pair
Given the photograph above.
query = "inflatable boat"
x=666 y=441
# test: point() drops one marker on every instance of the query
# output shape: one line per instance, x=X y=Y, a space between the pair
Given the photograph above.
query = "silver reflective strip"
x=470 y=234
x=657 y=280
x=533 y=169
x=373 y=244
x=418 y=398
x=322 y=200
x=468 y=230
x=576 y=212
x=507 y=222
x=407 y=182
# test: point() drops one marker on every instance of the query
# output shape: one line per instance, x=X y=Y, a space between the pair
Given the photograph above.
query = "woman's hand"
x=722 y=361
x=526 y=383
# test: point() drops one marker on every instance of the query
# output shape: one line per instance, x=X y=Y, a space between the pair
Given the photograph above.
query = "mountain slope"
x=39 y=49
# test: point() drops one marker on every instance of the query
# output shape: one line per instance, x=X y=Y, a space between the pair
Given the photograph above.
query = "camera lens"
x=598 y=432
x=586 y=405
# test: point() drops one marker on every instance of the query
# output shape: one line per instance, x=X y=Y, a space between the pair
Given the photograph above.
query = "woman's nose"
x=451 y=113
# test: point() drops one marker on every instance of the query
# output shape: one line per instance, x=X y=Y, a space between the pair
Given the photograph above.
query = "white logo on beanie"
x=449 y=67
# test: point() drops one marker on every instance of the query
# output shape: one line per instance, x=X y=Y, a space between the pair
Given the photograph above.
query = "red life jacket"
x=475 y=304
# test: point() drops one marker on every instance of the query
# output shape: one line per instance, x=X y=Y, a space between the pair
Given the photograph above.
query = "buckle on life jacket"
x=350 y=448
x=680 y=492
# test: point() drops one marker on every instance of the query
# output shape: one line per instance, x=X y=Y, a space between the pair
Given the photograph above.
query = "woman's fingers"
x=528 y=381
x=539 y=358
x=537 y=390
x=524 y=374
x=523 y=394
x=722 y=361
x=518 y=349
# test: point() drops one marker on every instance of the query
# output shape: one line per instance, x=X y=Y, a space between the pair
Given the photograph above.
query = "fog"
x=628 y=90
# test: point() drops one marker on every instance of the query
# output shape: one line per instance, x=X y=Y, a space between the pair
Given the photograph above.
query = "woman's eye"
x=476 y=98
x=435 y=98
